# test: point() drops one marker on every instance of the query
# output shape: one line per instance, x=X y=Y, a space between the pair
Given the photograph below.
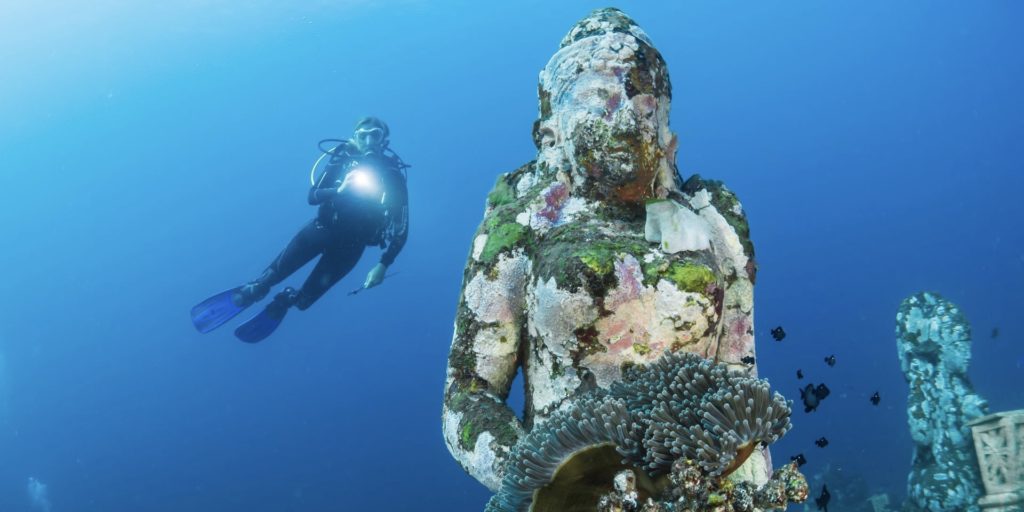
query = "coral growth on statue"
x=690 y=490
x=595 y=257
x=934 y=344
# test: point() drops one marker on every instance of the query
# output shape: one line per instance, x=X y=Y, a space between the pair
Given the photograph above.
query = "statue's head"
x=604 y=104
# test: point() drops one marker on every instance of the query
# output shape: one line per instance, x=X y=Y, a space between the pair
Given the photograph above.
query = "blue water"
x=151 y=155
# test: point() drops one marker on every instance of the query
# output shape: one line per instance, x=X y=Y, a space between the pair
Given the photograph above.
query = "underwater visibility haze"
x=152 y=155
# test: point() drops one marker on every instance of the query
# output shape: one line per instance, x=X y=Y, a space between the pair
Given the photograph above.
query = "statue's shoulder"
x=518 y=186
x=720 y=196
x=700 y=193
x=503 y=229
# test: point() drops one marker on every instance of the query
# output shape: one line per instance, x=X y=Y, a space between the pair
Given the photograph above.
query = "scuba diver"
x=362 y=200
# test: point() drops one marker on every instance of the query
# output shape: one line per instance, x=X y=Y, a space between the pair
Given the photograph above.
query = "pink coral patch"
x=630 y=278
x=739 y=342
x=625 y=329
x=740 y=327
x=554 y=200
x=612 y=105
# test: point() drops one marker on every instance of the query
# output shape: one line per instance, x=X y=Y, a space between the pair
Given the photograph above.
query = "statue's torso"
x=600 y=298
x=571 y=293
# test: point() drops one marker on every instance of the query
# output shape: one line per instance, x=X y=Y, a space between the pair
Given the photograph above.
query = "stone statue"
x=934 y=345
x=596 y=256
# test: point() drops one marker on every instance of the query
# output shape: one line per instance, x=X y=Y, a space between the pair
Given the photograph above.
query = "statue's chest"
x=602 y=300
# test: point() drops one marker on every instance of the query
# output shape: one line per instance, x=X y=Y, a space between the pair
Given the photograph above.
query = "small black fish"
x=778 y=333
x=799 y=459
x=748 y=360
x=799 y=374
x=995 y=332
x=831 y=360
x=813 y=395
x=875 y=398
x=821 y=442
x=822 y=500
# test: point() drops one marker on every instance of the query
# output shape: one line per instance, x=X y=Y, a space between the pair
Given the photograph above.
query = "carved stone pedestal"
x=999 y=443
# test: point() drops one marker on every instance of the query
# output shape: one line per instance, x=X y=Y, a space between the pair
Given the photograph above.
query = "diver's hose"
x=324 y=152
x=402 y=166
x=312 y=172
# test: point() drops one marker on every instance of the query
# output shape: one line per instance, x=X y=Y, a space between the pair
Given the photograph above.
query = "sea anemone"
x=588 y=441
x=681 y=407
x=689 y=407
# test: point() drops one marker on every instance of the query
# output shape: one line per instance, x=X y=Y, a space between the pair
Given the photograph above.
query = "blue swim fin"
x=215 y=311
x=257 y=328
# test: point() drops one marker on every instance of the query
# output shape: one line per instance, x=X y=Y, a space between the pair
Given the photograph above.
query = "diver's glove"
x=319 y=195
x=376 y=276
x=345 y=183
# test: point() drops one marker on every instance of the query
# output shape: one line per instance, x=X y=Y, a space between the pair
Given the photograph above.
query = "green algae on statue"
x=569 y=279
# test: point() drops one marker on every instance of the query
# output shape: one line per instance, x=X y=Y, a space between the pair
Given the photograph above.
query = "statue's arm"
x=736 y=249
x=479 y=427
x=733 y=253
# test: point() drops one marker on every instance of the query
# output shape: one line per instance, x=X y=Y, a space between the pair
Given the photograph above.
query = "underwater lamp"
x=363 y=180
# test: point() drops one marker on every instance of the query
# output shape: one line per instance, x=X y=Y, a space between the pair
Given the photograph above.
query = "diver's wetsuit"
x=374 y=212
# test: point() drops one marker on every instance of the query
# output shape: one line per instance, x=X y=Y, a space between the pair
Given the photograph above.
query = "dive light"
x=363 y=180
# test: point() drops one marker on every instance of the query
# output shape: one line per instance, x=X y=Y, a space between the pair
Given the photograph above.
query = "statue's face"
x=604 y=112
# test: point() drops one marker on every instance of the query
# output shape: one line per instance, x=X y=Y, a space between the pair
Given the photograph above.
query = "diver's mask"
x=369 y=138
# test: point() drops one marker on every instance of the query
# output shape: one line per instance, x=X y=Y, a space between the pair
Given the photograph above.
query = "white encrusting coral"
x=491 y=299
x=478 y=245
x=484 y=458
x=494 y=347
x=556 y=314
x=676 y=228
x=555 y=380
x=729 y=251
